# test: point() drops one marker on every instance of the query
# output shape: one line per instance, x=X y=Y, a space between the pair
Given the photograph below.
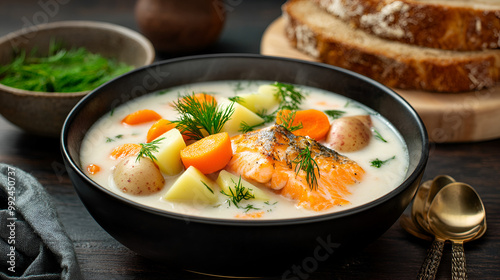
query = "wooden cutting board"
x=448 y=117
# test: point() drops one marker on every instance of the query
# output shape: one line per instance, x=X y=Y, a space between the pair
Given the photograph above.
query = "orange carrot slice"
x=93 y=168
x=141 y=116
x=315 y=123
x=209 y=154
x=125 y=150
x=159 y=127
x=201 y=98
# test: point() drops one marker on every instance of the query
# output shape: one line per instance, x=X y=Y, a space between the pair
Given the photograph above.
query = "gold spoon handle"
x=458 y=267
x=430 y=265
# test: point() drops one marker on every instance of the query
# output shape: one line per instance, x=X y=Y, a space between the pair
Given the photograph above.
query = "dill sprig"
x=335 y=114
x=287 y=121
x=147 y=149
x=305 y=161
x=198 y=117
x=237 y=193
x=378 y=163
x=379 y=136
x=290 y=98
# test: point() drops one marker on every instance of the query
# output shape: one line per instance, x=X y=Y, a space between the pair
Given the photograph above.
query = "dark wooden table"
x=396 y=255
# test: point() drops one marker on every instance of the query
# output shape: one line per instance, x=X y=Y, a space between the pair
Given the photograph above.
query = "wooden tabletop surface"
x=395 y=255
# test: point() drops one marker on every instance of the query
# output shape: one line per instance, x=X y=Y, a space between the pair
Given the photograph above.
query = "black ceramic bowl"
x=242 y=247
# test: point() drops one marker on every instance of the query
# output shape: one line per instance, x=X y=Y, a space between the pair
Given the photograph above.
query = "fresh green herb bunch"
x=197 y=118
x=63 y=70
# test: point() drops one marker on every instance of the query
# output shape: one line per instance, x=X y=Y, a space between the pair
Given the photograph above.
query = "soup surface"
x=381 y=162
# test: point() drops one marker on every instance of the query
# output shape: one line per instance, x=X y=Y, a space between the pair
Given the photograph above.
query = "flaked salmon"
x=269 y=156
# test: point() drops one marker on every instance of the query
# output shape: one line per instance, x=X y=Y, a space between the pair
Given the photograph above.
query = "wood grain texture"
x=449 y=117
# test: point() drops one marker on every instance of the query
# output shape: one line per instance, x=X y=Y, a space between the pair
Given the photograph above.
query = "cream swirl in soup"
x=245 y=150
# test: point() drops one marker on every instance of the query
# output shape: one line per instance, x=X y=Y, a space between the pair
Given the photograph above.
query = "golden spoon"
x=457 y=214
x=420 y=207
x=424 y=197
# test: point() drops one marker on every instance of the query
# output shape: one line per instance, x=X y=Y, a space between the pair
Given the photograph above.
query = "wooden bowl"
x=43 y=113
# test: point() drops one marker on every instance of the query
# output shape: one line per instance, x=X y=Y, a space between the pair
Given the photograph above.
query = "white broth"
x=109 y=132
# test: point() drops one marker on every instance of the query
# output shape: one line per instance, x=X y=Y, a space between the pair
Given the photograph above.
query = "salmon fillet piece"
x=268 y=156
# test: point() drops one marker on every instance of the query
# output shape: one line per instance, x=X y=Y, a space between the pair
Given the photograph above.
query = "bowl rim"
x=146 y=45
x=419 y=168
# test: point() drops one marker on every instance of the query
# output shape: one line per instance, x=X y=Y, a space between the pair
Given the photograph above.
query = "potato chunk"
x=240 y=115
x=264 y=100
x=168 y=156
x=228 y=180
x=138 y=177
x=192 y=187
x=349 y=134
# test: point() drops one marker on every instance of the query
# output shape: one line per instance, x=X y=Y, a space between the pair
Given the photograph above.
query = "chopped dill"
x=287 y=121
x=196 y=118
x=305 y=161
x=209 y=188
x=147 y=149
x=378 y=163
x=290 y=98
x=249 y=207
x=113 y=139
x=238 y=193
x=236 y=99
x=378 y=136
x=335 y=114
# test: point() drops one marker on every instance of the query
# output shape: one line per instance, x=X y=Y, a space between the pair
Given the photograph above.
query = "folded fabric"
x=33 y=243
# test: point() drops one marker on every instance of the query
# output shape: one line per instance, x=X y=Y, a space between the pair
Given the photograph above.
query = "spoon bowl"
x=457 y=214
x=424 y=197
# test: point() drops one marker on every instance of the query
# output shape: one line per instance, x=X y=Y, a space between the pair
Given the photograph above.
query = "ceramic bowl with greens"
x=46 y=69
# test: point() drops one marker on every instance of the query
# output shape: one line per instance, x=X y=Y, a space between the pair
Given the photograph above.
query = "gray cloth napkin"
x=33 y=243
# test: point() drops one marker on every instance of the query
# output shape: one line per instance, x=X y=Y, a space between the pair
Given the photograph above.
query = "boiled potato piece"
x=190 y=187
x=264 y=100
x=240 y=115
x=228 y=180
x=138 y=177
x=349 y=134
x=168 y=156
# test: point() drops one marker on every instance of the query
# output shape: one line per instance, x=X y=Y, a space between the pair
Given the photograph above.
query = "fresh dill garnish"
x=378 y=163
x=147 y=149
x=198 y=117
x=290 y=98
x=378 y=136
x=205 y=184
x=267 y=117
x=335 y=114
x=287 y=121
x=60 y=70
x=249 y=207
x=238 y=193
x=238 y=87
x=244 y=127
x=113 y=139
x=236 y=99
x=305 y=161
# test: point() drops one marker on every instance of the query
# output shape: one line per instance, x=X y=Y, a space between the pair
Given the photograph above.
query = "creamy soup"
x=384 y=159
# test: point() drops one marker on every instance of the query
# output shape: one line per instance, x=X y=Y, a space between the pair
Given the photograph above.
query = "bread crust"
x=431 y=24
x=446 y=71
